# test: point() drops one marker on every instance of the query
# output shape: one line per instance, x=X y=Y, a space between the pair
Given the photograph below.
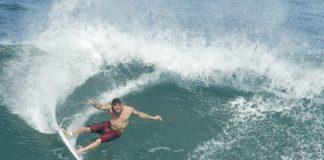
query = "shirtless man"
x=112 y=129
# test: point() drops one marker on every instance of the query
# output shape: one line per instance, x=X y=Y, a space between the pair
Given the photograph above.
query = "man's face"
x=117 y=108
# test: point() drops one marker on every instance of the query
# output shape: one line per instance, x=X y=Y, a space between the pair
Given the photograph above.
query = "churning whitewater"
x=233 y=80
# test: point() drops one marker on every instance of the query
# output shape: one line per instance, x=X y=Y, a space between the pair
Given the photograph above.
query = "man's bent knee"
x=98 y=141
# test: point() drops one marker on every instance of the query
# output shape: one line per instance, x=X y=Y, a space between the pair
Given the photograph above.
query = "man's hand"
x=91 y=102
x=146 y=116
x=105 y=107
x=157 y=117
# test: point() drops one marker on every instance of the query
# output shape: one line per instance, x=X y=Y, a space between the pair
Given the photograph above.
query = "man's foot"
x=66 y=133
x=79 y=151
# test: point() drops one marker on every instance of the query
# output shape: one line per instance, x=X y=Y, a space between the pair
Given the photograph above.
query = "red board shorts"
x=104 y=128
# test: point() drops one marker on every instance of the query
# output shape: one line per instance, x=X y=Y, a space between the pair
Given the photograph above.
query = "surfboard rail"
x=68 y=144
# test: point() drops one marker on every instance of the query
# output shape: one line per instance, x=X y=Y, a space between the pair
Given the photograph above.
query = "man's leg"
x=91 y=146
x=77 y=131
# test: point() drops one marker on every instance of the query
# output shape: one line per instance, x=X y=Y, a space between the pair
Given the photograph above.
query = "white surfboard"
x=69 y=145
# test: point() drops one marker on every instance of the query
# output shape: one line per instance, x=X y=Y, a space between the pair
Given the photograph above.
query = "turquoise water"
x=232 y=79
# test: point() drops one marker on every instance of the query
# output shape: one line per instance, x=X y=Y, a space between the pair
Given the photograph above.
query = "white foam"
x=74 y=50
x=249 y=114
x=208 y=149
x=40 y=83
x=154 y=149
x=158 y=148
x=190 y=59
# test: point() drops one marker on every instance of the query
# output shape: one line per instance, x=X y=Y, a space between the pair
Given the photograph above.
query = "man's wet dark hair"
x=115 y=101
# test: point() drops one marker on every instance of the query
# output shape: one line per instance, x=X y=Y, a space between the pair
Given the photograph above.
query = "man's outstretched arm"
x=97 y=105
x=146 y=116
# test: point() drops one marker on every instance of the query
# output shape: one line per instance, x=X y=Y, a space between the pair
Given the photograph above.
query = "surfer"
x=112 y=129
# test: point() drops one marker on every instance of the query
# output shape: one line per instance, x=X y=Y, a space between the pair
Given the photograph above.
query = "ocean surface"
x=231 y=79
